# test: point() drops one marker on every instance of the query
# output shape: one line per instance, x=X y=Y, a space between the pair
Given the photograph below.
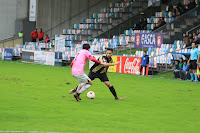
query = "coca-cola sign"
x=130 y=65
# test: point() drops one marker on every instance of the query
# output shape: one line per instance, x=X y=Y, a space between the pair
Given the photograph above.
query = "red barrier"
x=129 y=65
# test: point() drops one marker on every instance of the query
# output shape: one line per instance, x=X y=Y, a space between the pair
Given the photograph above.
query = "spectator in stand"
x=179 y=5
x=139 y=25
x=176 y=70
x=185 y=39
x=162 y=22
x=196 y=40
x=182 y=10
x=34 y=35
x=190 y=36
x=193 y=60
x=184 y=74
x=190 y=43
x=194 y=35
x=174 y=12
x=198 y=33
x=41 y=34
x=20 y=34
x=191 y=5
x=144 y=24
x=47 y=39
x=170 y=8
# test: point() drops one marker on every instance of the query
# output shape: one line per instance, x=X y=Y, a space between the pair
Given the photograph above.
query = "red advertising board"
x=129 y=65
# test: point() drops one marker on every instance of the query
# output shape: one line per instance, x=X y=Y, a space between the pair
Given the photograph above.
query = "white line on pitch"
x=2 y=131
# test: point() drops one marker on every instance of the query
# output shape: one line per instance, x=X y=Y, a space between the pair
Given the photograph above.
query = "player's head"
x=86 y=46
x=193 y=45
x=109 y=52
x=145 y=53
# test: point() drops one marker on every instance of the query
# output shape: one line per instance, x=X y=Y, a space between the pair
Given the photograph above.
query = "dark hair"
x=86 y=46
x=110 y=49
x=145 y=51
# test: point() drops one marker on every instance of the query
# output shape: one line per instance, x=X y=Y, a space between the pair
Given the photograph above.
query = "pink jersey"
x=78 y=64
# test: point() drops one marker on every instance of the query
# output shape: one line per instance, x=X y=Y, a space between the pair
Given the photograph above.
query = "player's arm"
x=110 y=64
x=92 y=58
x=189 y=59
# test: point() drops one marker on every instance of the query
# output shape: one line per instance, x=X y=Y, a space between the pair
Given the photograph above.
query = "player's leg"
x=191 y=71
x=195 y=75
x=145 y=70
x=195 y=71
x=84 y=83
x=140 y=70
x=103 y=77
x=73 y=90
x=90 y=75
x=84 y=88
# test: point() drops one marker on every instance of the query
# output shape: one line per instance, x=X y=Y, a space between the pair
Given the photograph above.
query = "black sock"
x=113 y=91
x=75 y=89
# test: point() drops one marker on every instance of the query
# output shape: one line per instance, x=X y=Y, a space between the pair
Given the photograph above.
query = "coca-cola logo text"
x=132 y=67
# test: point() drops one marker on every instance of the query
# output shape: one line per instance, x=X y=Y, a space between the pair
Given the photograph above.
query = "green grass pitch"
x=35 y=98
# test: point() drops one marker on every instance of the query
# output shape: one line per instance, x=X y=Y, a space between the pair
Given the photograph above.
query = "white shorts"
x=82 y=78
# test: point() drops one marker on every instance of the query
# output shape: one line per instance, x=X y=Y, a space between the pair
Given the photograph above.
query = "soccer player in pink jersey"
x=78 y=66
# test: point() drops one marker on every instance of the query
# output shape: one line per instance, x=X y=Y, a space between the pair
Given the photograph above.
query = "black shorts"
x=193 y=64
x=103 y=77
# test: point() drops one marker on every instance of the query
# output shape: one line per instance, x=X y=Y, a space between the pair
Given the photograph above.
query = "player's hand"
x=117 y=63
x=103 y=63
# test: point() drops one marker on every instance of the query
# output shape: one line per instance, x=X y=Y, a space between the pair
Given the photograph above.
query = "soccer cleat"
x=120 y=98
x=72 y=91
x=76 y=97
x=79 y=98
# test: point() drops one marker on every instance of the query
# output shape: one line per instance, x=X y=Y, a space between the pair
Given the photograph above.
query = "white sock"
x=84 y=88
x=80 y=86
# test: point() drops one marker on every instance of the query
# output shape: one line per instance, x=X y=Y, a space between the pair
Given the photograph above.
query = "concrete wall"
x=54 y=12
x=10 y=11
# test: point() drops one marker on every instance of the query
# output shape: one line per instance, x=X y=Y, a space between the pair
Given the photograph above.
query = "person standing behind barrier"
x=144 y=63
x=20 y=34
x=41 y=34
x=193 y=62
x=47 y=39
x=34 y=35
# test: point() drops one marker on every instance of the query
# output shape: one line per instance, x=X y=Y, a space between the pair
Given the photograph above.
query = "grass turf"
x=35 y=98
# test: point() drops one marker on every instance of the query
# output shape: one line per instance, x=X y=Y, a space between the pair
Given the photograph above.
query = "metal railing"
x=193 y=29
x=76 y=15
x=10 y=42
x=129 y=22
x=186 y=19
x=165 y=67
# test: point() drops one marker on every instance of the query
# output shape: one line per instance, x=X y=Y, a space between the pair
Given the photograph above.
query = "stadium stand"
x=90 y=27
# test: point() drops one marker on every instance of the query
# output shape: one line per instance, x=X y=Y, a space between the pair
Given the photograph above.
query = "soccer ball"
x=91 y=95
